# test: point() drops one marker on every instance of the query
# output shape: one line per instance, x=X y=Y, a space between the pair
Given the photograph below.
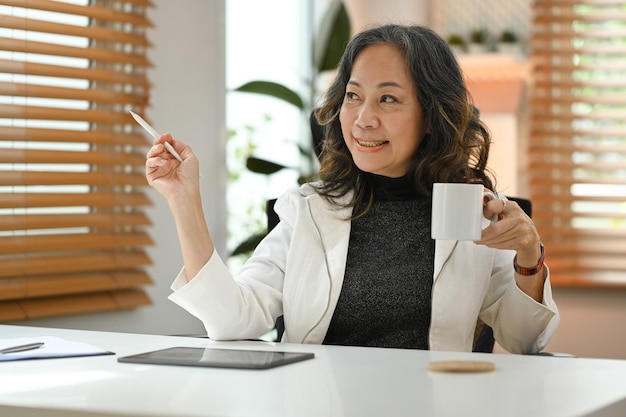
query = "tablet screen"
x=218 y=358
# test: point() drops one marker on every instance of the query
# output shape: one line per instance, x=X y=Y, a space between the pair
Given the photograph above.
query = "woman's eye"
x=351 y=96
x=388 y=99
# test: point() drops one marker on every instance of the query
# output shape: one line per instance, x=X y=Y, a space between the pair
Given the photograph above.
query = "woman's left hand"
x=514 y=230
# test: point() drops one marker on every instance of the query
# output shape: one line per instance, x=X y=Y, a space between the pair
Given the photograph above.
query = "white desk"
x=339 y=381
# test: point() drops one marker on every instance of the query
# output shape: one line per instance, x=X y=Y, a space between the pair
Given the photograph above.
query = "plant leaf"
x=248 y=245
x=261 y=166
x=273 y=89
x=332 y=38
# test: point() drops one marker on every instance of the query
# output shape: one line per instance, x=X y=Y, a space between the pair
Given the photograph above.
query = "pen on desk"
x=22 y=348
x=154 y=134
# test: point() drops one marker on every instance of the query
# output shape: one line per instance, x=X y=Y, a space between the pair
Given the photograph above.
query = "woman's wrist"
x=528 y=269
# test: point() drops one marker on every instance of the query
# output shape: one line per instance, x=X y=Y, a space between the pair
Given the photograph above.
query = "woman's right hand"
x=166 y=174
x=179 y=183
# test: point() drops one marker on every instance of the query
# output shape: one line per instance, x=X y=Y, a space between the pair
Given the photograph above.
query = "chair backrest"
x=272 y=217
x=524 y=203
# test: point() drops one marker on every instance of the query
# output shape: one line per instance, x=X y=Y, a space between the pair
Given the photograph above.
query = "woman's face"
x=381 y=120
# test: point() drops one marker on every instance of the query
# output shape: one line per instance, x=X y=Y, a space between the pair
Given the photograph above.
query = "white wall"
x=592 y=322
x=188 y=100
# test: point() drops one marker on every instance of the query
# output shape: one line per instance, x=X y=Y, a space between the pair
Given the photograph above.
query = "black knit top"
x=385 y=299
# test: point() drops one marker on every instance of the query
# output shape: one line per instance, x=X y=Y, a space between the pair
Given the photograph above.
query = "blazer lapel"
x=333 y=225
x=443 y=250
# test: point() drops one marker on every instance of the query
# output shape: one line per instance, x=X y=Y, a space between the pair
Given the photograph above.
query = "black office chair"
x=272 y=221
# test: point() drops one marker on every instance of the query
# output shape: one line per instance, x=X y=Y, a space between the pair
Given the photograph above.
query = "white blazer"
x=297 y=271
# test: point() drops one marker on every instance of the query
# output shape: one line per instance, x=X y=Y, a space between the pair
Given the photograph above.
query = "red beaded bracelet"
x=522 y=270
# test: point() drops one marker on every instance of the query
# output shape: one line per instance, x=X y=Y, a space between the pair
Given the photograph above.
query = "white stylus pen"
x=155 y=135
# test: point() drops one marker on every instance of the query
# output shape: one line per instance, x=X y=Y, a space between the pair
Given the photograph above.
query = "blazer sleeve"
x=242 y=306
x=520 y=324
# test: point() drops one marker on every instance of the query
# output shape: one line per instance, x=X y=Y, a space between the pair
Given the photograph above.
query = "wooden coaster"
x=461 y=366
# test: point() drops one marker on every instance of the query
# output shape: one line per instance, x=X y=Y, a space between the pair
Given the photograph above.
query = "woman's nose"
x=367 y=117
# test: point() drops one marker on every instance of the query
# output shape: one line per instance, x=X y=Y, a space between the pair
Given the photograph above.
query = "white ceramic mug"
x=457 y=211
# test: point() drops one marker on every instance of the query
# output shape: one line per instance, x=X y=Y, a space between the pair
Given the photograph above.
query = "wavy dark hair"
x=457 y=148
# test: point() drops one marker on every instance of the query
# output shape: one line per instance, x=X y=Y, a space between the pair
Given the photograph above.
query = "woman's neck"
x=390 y=189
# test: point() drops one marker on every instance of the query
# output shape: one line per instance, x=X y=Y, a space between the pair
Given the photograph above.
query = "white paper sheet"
x=54 y=347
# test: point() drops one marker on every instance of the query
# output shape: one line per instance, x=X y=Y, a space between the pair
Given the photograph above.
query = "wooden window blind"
x=73 y=230
x=578 y=139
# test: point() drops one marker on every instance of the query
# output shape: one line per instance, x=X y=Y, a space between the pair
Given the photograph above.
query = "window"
x=72 y=226
x=578 y=139
x=261 y=125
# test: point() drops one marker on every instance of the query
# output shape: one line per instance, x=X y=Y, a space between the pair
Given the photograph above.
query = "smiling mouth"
x=371 y=144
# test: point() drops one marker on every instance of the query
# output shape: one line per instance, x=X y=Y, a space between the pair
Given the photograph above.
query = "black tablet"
x=218 y=358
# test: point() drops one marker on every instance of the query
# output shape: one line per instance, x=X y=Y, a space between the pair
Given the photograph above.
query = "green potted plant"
x=508 y=43
x=479 y=41
x=456 y=42
x=507 y=36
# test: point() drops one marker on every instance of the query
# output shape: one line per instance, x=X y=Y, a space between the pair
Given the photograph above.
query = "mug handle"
x=491 y=196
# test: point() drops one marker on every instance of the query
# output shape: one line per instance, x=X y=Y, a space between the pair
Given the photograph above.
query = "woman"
x=351 y=261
